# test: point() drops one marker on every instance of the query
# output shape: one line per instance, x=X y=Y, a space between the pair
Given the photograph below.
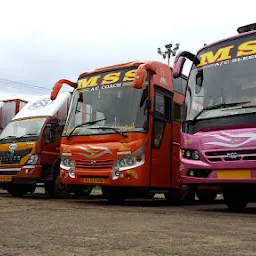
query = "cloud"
x=43 y=41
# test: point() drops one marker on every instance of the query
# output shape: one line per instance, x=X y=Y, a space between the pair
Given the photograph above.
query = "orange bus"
x=123 y=131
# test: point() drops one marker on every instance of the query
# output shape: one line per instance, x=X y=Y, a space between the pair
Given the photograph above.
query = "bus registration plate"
x=94 y=180
x=4 y=178
x=234 y=174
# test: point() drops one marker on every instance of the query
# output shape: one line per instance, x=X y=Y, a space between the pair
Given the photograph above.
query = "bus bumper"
x=131 y=177
x=199 y=173
x=27 y=174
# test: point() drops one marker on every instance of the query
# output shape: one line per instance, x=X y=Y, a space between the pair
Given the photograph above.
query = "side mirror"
x=58 y=85
x=141 y=74
x=50 y=132
x=48 y=135
x=179 y=62
x=178 y=67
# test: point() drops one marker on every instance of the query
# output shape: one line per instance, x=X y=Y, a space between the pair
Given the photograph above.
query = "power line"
x=4 y=80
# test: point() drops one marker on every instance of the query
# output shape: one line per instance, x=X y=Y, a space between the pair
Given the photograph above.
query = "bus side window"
x=162 y=114
x=177 y=115
x=179 y=85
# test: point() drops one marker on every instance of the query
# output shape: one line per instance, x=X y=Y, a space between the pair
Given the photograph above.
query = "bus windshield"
x=120 y=105
x=22 y=130
x=221 y=75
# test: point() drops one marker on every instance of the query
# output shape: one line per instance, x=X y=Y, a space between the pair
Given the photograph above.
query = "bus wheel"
x=235 y=200
x=17 y=190
x=113 y=195
x=83 y=190
x=56 y=189
x=206 y=196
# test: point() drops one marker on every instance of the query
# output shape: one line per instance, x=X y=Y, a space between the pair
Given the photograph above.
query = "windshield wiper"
x=222 y=105
x=249 y=106
x=27 y=135
x=109 y=128
x=8 y=137
x=86 y=123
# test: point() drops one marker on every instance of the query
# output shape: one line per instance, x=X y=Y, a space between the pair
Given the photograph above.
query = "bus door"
x=161 y=138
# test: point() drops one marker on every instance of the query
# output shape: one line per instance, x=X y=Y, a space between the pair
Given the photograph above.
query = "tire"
x=17 y=190
x=83 y=190
x=206 y=196
x=187 y=194
x=235 y=200
x=55 y=189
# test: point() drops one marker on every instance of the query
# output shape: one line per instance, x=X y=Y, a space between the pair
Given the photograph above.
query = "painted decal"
x=108 y=80
x=235 y=52
x=124 y=148
x=229 y=140
x=126 y=127
x=66 y=150
x=132 y=173
x=13 y=147
x=187 y=142
x=163 y=79
x=40 y=104
x=94 y=151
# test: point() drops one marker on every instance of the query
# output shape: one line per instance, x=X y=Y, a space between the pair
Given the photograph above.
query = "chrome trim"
x=10 y=169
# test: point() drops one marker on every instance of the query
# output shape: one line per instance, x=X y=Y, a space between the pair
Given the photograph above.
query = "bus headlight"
x=130 y=161
x=33 y=159
x=68 y=165
x=71 y=172
x=190 y=154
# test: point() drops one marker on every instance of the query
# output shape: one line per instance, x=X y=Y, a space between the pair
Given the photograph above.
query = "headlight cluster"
x=67 y=162
x=33 y=159
x=68 y=165
x=130 y=162
x=190 y=154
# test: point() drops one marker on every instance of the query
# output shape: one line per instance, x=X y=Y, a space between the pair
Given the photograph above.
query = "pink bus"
x=218 y=145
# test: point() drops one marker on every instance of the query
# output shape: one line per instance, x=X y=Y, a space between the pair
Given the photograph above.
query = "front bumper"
x=131 y=177
x=22 y=174
x=190 y=170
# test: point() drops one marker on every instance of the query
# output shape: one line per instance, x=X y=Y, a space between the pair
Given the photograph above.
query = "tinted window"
x=177 y=112
x=179 y=85
x=163 y=106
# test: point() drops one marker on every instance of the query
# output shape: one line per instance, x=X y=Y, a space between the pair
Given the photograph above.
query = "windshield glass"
x=110 y=96
x=31 y=128
x=223 y=73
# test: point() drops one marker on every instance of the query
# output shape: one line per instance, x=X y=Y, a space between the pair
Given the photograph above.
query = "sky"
x=44 y=41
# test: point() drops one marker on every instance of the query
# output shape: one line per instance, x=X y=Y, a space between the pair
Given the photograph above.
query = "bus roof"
x=123 y=65
x=42 y=106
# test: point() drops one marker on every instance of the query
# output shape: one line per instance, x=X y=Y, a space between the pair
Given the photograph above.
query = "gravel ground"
x=36 y=225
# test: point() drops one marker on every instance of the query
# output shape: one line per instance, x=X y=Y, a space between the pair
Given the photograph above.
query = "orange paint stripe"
x=50 y=153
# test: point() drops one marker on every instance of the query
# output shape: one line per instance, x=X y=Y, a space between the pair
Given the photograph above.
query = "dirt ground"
x=36 y=225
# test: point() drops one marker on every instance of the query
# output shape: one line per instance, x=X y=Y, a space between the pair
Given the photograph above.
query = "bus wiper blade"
x=109 y=128
x=8 y=137
x=86 y=123
x=249 y=106
x=27 y=135
x=222 y=105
